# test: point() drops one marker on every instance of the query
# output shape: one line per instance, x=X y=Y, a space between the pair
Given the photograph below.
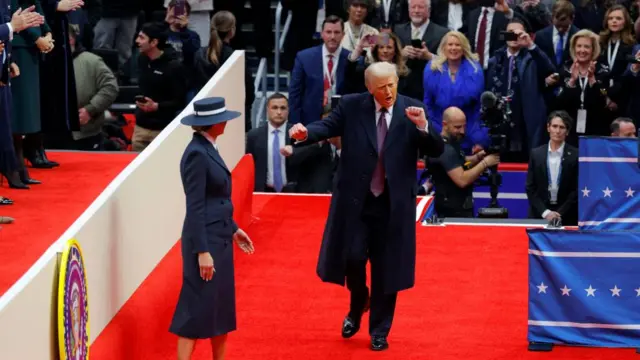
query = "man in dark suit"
x=552 y=177
x=452 y=14
x=429 y=34
x=372 y=214
x=484 y=26
x=318 y=73
x=554 y=39
x=390 y=13
x=276 y=162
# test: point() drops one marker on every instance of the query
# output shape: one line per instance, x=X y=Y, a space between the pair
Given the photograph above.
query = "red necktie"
x=328 y=81
x=482 y=36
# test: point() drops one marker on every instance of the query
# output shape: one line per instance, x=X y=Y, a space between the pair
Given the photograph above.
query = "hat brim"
x=194 y=120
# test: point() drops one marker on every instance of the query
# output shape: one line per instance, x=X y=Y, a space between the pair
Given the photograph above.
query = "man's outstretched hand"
x=298 y=132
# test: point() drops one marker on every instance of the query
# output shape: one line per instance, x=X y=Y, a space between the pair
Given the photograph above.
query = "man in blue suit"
x=318 y=73
x=373 y=207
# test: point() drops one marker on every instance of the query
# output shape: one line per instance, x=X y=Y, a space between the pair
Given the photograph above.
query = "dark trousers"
x=370 y=246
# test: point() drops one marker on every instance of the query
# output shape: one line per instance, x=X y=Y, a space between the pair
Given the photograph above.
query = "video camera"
x=496 y=117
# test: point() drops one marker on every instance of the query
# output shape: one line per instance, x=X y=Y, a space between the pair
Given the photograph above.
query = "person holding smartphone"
x=355 y=29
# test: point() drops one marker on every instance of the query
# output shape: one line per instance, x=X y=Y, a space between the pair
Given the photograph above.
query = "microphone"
x=488 y=100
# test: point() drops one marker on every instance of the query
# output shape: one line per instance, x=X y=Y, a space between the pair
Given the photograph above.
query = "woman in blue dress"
x=455 y=78
x=206 y=307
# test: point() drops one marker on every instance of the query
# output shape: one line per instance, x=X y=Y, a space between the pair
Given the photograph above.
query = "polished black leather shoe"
x=379 y=343
x=349 y=327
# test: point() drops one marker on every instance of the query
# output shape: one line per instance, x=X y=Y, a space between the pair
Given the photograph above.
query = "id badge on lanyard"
x=581 y=126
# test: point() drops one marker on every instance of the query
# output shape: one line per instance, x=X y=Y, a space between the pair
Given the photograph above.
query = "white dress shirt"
x=387 y=117
x=325 y=65
x=455 y=16
x=422 y=29
x=487 y=38
x=281 y=139
x=554 y=160
x=4 y=52
x=209 y=138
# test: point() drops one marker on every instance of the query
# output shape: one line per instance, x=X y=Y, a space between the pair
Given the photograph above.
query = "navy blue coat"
x=8 y=161
x=206 y=309
x=534 y=67
x=354 y=120
x=5 y=18
x=306 y=90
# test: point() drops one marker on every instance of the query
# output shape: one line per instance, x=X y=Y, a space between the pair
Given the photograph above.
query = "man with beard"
x=453 y=173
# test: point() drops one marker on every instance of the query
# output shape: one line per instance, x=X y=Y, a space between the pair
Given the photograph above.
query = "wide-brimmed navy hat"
x=209 y=111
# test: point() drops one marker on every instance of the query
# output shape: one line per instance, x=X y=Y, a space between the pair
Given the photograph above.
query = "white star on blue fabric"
x=629 y=192
x=565 y=291
x=638 y=291
x=607 y=192
x=590 y=291
x=615 y=291
x=542 y=288
x=585 y=192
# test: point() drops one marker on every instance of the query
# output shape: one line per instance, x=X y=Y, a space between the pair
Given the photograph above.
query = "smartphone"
x=179 y=9
x=372 y=39
x=508 y=36
x=416 y=43
x=139 y=98
x=556 y=76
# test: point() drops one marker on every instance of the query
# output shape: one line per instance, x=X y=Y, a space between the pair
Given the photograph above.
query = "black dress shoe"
x=43 y=154
x=379 y=343
x=349 y=327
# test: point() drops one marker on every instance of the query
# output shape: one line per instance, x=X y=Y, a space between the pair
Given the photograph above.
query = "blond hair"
x=595 y=43
x=438 y=61
x=379 y=70
x=222 y=23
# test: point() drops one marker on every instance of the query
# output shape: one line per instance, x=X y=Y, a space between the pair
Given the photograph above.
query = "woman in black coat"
x=206 y=308
x=209 y=59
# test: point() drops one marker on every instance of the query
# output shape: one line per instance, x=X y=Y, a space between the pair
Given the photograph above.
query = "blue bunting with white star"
x=608 y=184
x=584 y=288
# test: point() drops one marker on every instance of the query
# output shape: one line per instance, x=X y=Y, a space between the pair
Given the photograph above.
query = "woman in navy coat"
x=206 y=307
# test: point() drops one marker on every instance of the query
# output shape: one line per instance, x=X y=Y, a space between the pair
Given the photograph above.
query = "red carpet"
x=470 y=299
x=45 y=211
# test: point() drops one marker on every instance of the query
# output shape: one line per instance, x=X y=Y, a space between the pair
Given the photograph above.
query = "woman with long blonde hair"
x=455 y=78
x=209 y=59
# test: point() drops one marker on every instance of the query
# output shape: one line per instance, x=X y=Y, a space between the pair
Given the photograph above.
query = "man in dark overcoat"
x=373 y=208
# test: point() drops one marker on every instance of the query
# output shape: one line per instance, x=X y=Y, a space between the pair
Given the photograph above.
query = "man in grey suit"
x=373 y=207
x=421 y=39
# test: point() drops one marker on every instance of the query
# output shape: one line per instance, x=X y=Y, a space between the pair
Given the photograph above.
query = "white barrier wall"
x=123 y=234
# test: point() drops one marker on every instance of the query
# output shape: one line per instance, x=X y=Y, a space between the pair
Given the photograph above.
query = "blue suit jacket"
x=354 y=120
x=306 y=90
x=5 y=17
x=207 y=187
x=544 y=40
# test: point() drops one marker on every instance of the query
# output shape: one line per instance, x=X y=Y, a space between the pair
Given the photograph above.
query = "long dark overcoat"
x=354 y=120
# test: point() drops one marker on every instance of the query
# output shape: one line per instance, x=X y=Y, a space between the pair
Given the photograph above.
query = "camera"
x=496 y=117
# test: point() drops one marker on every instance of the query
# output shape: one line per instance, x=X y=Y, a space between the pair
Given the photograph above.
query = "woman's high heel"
x=14 y=181
x=26 y=179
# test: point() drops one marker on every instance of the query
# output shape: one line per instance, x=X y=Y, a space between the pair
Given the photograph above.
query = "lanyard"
x=353 y=40
x=583 y=86
x=549 y=173
x=386 y=8
x=611 y=58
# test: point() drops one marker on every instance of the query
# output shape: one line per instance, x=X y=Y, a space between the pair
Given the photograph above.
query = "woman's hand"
x=69 y=5
x=243 y=241
x=205 y=261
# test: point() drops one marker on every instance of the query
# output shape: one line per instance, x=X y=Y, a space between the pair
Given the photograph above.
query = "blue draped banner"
x=609 y=184
x=584 y=288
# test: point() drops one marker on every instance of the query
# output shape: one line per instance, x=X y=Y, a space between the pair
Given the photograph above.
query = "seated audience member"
x=162 y=86
x=452 y=14
x=552 y=177
x=616 y=40
x=455 y=78
x=312 y=86
x=387 y=48
x=518 y=71
x=389 y=13
x=484 y=26
x=276 y=161
x=420 y=30
x=97 y=89
x=584 y=81
x=623 y=127
x=209 y=59
x=453 y=173
x=184 y=41
x=199 y=18
x=354 y=28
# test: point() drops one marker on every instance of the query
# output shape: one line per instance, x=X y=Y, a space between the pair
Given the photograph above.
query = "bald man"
x=453 y=173
x=623 y=127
